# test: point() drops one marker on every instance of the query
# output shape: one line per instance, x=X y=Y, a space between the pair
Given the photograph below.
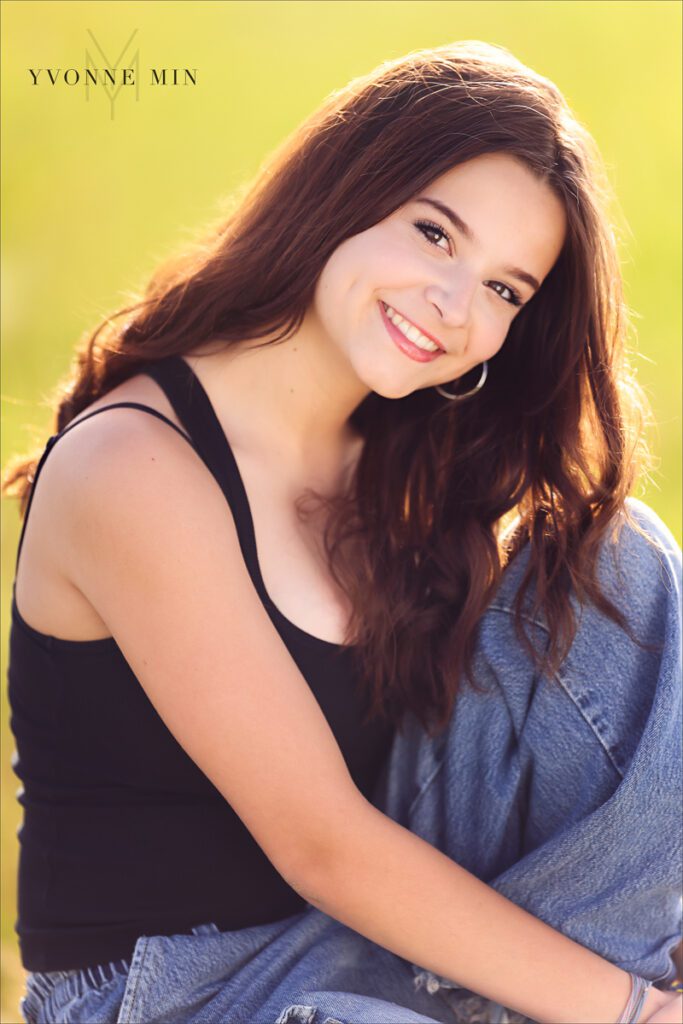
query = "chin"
x=381 y=378
x=393 y=390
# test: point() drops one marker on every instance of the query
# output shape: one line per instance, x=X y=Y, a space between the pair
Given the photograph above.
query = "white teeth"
x=424 y=343
x=410 y=331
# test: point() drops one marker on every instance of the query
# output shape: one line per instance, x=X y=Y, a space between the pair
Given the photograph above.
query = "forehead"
x=506 y=207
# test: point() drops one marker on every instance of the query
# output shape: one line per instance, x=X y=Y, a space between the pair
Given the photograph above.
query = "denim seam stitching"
x=495 y=607
x=425 y=785
x=567 y=689
x=137 y=964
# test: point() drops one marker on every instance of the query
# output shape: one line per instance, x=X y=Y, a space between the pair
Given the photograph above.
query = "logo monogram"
x=133 y=63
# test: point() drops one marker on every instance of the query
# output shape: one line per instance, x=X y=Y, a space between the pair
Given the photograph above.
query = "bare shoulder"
x=98 y=453
x=129 y=473
x=114 y=439
x=84 y=443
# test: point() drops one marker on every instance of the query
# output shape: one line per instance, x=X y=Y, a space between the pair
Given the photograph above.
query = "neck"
x=291 y=400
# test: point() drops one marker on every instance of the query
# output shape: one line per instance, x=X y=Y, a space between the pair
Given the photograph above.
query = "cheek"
x=378 y=258
x=352 y=281
x=340 y=275
x=492 y=330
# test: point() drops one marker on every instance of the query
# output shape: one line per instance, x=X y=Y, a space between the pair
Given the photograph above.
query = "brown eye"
x=512 y=297
x=434 y=234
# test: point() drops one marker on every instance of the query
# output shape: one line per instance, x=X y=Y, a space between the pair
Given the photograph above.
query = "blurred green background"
x=92 y=204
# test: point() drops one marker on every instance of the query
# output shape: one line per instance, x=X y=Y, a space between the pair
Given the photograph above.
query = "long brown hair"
x=549 y=442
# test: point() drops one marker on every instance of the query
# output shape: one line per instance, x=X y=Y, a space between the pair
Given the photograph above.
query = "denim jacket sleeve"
x=602 y=837
x=565 y=794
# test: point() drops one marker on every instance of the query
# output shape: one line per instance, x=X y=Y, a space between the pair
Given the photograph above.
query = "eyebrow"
x=463 y=228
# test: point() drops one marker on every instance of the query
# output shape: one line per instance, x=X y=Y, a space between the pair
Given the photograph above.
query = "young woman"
x=356 y=470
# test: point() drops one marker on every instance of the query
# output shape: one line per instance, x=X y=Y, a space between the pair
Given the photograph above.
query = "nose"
x=453 y=299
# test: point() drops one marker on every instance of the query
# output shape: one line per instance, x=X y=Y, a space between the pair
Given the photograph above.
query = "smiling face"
x=450 y=269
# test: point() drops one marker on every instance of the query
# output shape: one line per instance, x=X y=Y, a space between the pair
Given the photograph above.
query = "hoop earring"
x=477 y=387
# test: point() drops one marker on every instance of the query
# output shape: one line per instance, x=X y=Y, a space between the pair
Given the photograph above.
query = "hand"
x=669 y=1012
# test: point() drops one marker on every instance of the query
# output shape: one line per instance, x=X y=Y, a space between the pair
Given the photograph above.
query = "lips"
x=405 y=345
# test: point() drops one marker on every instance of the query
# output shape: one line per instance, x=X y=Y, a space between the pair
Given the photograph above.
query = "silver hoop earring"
x=477 y=387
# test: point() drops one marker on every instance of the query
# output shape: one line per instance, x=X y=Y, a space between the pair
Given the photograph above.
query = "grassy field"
x=92 y=203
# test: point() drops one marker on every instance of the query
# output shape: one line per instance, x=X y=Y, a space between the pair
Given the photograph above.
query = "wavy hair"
x=543 y=456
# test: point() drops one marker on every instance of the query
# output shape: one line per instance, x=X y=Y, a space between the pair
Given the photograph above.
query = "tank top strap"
x=55 y=437
x=195 y=411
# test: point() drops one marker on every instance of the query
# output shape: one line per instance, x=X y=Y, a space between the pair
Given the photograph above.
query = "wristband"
x=639 y=990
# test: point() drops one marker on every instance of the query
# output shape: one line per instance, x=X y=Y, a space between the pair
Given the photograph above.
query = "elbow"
x=310 y=887
x=309 y=870
x=319 y=862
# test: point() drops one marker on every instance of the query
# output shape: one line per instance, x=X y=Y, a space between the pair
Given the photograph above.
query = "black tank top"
x=123 y=835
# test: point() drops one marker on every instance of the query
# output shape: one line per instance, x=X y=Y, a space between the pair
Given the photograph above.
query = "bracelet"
x=639 y=990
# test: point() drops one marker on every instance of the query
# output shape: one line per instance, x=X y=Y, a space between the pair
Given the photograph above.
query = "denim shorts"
x=563 y=794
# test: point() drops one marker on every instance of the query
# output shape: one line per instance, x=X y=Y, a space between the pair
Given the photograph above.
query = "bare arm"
x=402 y=893
x=151 y=543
